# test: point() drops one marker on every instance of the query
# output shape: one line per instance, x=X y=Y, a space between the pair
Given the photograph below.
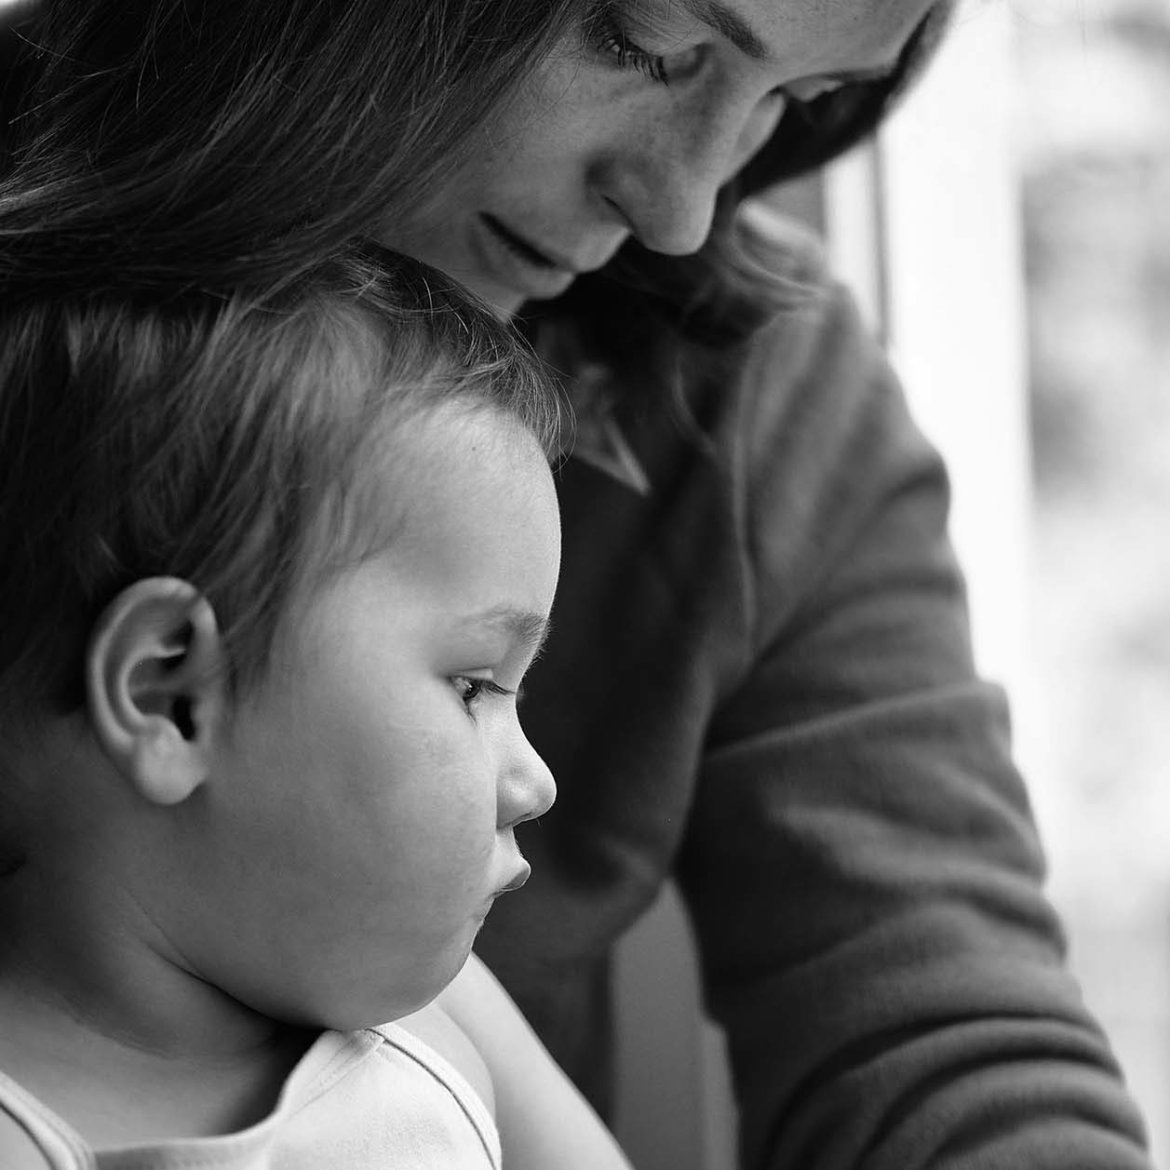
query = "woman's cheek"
x=761 y=125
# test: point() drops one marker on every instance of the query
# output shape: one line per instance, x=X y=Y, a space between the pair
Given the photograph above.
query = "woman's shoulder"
x=810 y=362
x=770 y=317
x=769 y=351
x=805 y=305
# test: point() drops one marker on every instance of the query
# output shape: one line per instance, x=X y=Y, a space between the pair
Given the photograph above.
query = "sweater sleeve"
x=861 y=863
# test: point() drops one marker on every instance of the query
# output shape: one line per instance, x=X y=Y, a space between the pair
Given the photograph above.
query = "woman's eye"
x=615 y=44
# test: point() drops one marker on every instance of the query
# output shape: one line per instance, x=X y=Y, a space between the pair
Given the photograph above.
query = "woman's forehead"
x=854 y=35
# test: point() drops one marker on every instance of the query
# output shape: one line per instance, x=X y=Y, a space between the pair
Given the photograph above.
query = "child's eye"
x=471 y=690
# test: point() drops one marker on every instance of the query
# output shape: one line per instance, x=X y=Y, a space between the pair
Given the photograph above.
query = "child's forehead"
x=463 y=532
x=415 y=469
x=415 y=458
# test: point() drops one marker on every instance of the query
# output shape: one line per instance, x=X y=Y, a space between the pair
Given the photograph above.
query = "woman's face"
x=631 y=126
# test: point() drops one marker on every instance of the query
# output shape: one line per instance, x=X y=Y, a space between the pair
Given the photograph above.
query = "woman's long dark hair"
x=242 y=145
x=235 y=142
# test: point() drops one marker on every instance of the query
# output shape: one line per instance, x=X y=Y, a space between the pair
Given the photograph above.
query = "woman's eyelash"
x=613 y=42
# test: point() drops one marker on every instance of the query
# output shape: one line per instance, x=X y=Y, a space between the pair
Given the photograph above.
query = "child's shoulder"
x=17 y=1150
x=475 y=1026
x=542 y=1118
x=439 y=1028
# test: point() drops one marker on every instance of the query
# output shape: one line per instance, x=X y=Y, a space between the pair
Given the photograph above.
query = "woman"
x=760 y=680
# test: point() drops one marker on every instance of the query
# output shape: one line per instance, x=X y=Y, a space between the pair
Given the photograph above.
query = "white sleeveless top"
x=379 y=1099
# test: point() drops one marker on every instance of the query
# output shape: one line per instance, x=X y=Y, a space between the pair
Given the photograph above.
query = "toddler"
x=272 y=572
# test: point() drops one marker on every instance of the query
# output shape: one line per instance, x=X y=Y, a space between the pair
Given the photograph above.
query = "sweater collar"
x=599 y=439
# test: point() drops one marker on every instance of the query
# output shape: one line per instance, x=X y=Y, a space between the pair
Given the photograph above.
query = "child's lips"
x=517 y=879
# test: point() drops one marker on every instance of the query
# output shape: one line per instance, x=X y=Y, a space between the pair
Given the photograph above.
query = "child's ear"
x=155 y=686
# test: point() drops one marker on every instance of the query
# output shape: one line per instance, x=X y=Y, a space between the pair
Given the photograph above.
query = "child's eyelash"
x=472 y=690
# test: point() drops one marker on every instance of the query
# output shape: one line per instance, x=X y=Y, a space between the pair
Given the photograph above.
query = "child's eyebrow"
x=523 y=626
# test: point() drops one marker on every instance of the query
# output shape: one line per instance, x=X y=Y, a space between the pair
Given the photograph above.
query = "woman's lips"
x=524 y=249
x=510 y=261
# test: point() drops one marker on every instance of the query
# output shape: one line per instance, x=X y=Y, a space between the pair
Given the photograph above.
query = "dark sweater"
x=760 y=682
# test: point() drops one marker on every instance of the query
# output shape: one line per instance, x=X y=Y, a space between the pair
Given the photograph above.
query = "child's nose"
x=526 y=788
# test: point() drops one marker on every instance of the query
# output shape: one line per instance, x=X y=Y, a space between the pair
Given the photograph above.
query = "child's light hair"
x=226 y=440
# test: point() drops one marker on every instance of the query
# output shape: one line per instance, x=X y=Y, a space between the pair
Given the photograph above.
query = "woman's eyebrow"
x=715 y=14
x=728 y=23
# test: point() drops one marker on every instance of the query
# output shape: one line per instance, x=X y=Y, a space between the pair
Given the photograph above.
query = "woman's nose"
x=665 y=185
x=526 y=788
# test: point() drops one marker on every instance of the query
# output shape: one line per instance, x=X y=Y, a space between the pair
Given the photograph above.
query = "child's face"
x=360 y=823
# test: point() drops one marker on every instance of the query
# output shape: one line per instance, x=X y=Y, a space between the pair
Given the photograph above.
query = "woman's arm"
x=861 y=863
x=762 y=680
x=543 y=1120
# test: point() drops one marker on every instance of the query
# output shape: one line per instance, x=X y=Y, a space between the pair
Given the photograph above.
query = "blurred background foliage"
x=1094 y=140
